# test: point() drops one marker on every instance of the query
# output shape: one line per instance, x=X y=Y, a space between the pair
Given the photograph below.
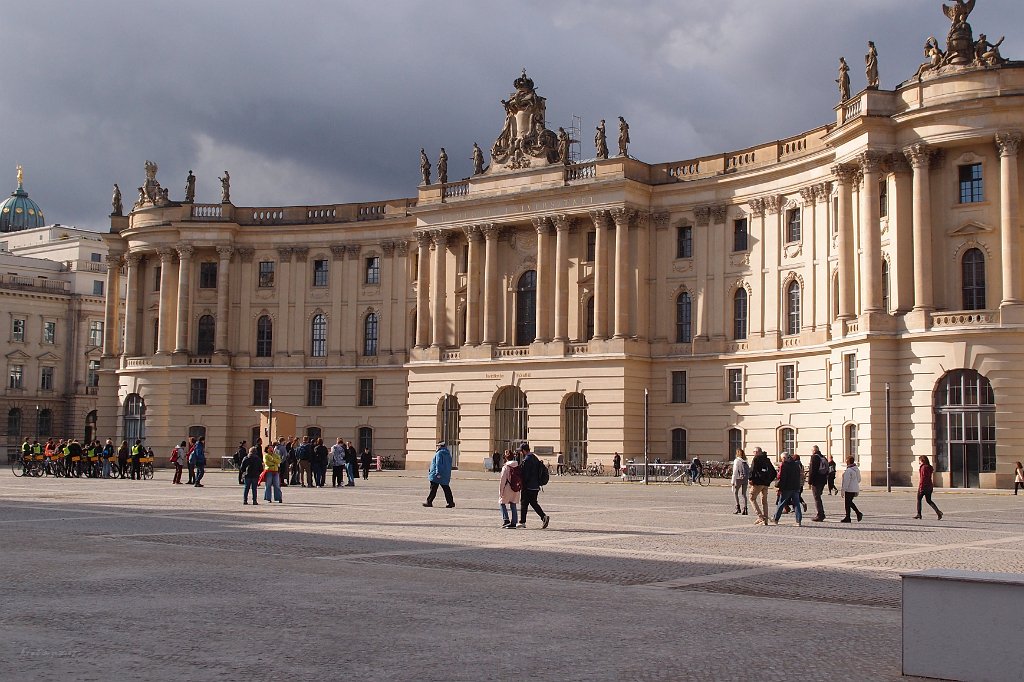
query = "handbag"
x=262 y=478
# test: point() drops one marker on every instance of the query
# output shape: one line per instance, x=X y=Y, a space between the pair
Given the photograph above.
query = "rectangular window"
x=883 y=198
x=156 y=277
x=96 y=333
x=197 y=392
x=261 y=392
x=850 y=373
x=735 y=443
x=207 y=275
x=787 y=382
x=96 y=257
x=679 y=387
x=735 y=385
x=320 y=273
x=373 y=270
x=793 y=231
x=17 y=330
x=92 y=376
x=365 y=392
x=16 y=377
x=315 y=392
x=266 y=274
x=591 y=246
x=49 y=332
x=97 y=287
x=46 y=378
x=463 y=264
x=739 y=235
x=972 y=188
x=684 y=242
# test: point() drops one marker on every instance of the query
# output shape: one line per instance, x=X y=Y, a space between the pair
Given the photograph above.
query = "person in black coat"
x=250 y=469
x=351 y=462
x=790 y=482
x=817 y=477
x=320 y=457
x=364 y=462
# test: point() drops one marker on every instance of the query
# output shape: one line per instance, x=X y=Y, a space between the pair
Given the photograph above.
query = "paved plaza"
x=111 y=580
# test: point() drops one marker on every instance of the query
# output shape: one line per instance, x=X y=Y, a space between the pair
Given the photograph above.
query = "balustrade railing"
x=207 y=211
x=581 y=171
x=454 y=190
x=512 y=352
x=965 y=318
x=200 y=360
x=54 y=286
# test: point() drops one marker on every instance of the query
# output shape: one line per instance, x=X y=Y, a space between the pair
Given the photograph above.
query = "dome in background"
x=18 y=212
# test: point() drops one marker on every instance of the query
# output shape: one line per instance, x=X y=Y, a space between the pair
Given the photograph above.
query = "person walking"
x=351 y=463
x=790 y=482
x=817 y=478
x=440 y=474
x=305 y=456
x=255 y=451
x=321 y=456
x=199 y=458
x=282 y=451
x=762 y=474
x=925 y=486
x=122 y=460
x=851 y=488
x=510 y=488
x=1018 y=478
x=108 y=453
x=617 y=464
x=832 y=476
x=338 y=464
x=535 y=477
x=240 y=453
x=189 y=462
x=272 y=475
x=740 y=477
x=178 y=460
x=249 y=470
x=365 y=457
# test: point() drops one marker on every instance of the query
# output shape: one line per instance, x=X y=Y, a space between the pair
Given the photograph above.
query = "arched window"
x=13 y=430
x=526 y=308
x=45 y=425
x=793 y=308
x=590 y=319
x=973 y=271
x=679 y=444
x=205 y=332
x=684 y=330
x=510 y=419
x=264 y=337
x=739 y=314
x=850 y=442
x=366 y=440
x=448 y=416
x=965 y=427
x=735 y=443
x=134 y=418
x=313 y=433
x=575 y=428
x=318 y=341
x=370 y=335
x=885 y=286
x=90 y=426
x=787 y=440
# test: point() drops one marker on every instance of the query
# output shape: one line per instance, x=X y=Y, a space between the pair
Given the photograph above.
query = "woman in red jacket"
x=925 y=486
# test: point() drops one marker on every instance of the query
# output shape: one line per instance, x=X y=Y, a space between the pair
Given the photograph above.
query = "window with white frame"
x=734 y=384
x=850 y=373
x=787 y=382
x=46 y=378
x=49 y=332
x=17 y=329
x=678 y=387
x=95 y=333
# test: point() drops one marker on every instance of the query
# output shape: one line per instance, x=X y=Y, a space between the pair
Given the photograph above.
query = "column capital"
x=114 y=260
x=1008 y=142
x=285 y=253
x=919 y=155
x=622 y=216
x=353 y=251
x=338 y=251
x=870 y=161
x=402 y=247
x=166 y=254
x=473 y=233
x=702 y=216
x=542 y=224
x=822 y=191
x=225 y=252
x=808 y=195
x=757 y=206
x=301 y=253
x=491 y=231
x=718 y=213
x=773 y=203
x=845 y=173
x=441 y=238
x=600 y=218
x=897 y=163
x=563 y=223
x=661 y=220
x=185 y=251
x=246 y=253
x=388 y=247
x=422 y=238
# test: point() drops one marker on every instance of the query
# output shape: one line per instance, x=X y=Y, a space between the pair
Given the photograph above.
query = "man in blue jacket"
x=440 y=474
x=199 y=458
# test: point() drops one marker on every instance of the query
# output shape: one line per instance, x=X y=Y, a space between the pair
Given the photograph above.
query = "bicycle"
x=595 y=469
x=27 y=466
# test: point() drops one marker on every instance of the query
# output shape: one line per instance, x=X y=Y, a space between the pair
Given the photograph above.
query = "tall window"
x=590 y=318
x=49 y=332
x=318 y=344
x=92 y=376
x=373 y=270
x=576 y=429
x=95 y=333
x=366 y=393
x=17 y=330
x=366 y=441
x=793 y=308
x=739 y=234
x=883 y=198
x=850 y=442
x=205 y=333
x=97 y=287
x=134 y=418
x=207 y=275
x=972 y=187
x=793 y=225
x=370 y=335
x=320 y=273
x=44 y=427
x=787 y=440
x=739 y=314
x=449 y=415
x=16 y=377
x=197 y=392
x=157 y=272
x=787 y=382
x=462 y=263
x=734 y=385
x=591 y=246
x=315 y=392
x=850 y=373
x=261 y=392
x=973 y=272
x=679 y=444
x=526 y=308
x=885 y=286
x=510 y=419
x=266 y=274
x=46 y=378
x=965 y=426
x=735 y=443
x=684 y=330
x=684 y=242
x=264 y=337
x=90 y=426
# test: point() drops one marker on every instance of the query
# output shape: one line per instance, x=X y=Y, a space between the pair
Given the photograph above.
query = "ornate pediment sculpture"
x=524 y=141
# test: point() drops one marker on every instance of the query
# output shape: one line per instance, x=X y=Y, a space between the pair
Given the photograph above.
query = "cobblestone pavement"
x=112 y=580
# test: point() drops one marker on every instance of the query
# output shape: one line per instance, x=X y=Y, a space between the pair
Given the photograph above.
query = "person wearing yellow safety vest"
x=136 y=453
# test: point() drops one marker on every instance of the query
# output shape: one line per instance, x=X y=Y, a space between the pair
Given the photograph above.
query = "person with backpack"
x=177 y=459
x=790 y=482
x=304 y=454
x=817 y=478
x=740 y=477
x=440 y=474
x=108 y=454
x=535 y=476
x=925 y=486
x=762 y=474
x=338 y=464
x=249 y=470
x=255 y=451
x=509 y=491
x=199 y=459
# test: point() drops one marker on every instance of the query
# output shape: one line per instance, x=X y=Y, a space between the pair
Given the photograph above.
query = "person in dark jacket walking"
x=320 y=458
x=762 y=475
x=351 y=463
x=364 y=462
x=925 y=486
x=188 y=460
x=531 y=473
x=440 y=474
x=790 y=482
x=832 y=476
x=250 y=469
x=304 y=454
x=199 y=459
x=240 y=453
x=817 y=478
x=122 y=460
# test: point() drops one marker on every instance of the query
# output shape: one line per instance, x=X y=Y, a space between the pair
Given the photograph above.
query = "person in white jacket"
x=850 y=487
x=740 y=476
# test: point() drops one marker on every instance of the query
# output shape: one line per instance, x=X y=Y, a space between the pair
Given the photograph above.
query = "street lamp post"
x=646 y=443
x=888 y=441
x=270 y=421
x=37 y=423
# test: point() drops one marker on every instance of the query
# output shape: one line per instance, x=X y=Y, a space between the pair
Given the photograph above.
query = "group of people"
x=92 y=459
x=191 y=454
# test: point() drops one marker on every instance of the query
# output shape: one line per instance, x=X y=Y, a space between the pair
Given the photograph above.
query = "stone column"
x=474 y=237
x=439 y=289
x=845 y=175
x=299 y=285
x=112 y=304
x=1009 y=216
x=223 y=300
x=870 y=236
x=184 y=280
x=246 y=323
x=282 y=280
x=601 y=222
x=623 y=296
x=131 y=306
x=492 y=293
x=422 y=290
x=757 y=235
x=920 y=156
x=335 y=342
x=901 y=214
x=163 y=336
x=562 y=226
x=355 y=277
x=822 y=304
x=661 y=268
x=387 y=279
x=544 y=287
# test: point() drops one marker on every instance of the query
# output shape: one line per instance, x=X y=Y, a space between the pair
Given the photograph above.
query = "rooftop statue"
x=563 y=146
x=478 y=160
x=600 y=141
x=151 y=191
x=190 y=188
x=960 y=41
x=424 y=167
x=871 y=66
x=115 y=202
x=623 y=137
x=986 y=53
x=934 y=55
x=225 y=188
x=524 y=140
x=442 y=167
x=843 y=80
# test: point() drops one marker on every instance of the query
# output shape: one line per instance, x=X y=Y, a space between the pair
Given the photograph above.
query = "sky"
x=329 y=101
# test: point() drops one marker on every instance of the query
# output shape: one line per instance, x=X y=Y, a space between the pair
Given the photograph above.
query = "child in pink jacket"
x=511 y=483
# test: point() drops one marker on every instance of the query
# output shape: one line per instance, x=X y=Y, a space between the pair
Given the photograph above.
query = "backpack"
x=515 y=479
x=543 y=475
x=822 y=466
x=174 y=456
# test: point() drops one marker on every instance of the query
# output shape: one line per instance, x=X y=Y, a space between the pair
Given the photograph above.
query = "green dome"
x=18 y=212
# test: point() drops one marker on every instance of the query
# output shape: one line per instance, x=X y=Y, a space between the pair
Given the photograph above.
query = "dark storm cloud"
x=315 y=102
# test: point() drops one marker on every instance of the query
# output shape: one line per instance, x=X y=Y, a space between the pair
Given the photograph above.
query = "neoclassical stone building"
x=770 y=296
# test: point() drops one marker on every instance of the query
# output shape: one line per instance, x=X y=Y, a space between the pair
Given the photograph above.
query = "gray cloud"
x=315 y=101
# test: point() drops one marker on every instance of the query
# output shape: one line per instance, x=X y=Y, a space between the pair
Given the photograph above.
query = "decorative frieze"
x=338 y=251
x=661 y=220
x=702 y=216
x=246 y=253
x=301 y=253
x=718 y=213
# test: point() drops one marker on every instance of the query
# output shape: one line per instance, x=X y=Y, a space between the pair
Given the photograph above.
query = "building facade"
x=857 y=287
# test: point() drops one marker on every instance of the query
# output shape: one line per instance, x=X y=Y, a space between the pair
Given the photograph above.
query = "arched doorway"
x=510 y=419
x=574 y=420
x=965 y=427
x=13 y=432
x=448 y=415
x=134 y=418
